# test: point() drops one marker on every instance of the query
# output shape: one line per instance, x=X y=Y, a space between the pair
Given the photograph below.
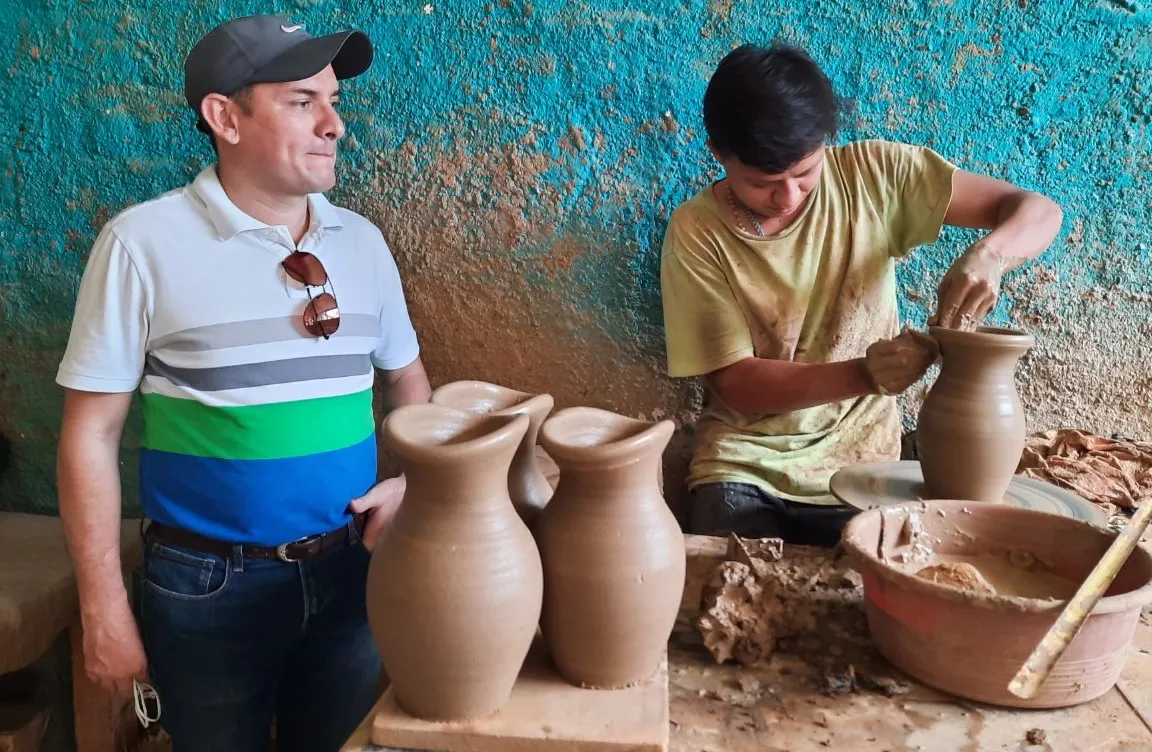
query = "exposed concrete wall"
x=522 y=159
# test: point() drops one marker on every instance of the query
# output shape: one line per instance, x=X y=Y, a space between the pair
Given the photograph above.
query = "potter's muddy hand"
x=893 y=365
x=1035 y=670
x=969 y=290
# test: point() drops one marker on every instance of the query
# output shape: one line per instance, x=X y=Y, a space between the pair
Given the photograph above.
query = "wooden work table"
x=791 y=708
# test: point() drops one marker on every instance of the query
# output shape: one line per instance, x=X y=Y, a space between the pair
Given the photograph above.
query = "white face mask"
x=145 y=699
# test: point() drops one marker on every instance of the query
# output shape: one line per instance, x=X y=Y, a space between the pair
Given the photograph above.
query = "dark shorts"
x=751 y=512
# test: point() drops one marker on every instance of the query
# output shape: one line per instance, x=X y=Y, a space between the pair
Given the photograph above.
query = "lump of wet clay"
x=755 y=552
x=734 y=623
x=958 y=574
x=760 y=596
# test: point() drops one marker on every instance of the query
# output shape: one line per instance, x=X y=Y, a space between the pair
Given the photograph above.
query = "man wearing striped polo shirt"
x=252 y=316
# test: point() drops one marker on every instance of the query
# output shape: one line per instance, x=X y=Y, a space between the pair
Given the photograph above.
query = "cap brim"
x=348 y=52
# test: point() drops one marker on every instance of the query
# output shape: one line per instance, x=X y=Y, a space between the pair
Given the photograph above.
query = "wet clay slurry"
x=938 y=631
x=613 y=554
x=971 y=428
x=527 y=486
x=455 y=583
x=998 y=574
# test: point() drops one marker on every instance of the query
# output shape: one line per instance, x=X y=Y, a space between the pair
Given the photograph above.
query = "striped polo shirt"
x=254 y=431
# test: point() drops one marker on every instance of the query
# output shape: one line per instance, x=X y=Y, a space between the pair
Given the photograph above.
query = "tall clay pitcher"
x=971 y=428
x=613 y=553
x=527 y=485
x=455 y=582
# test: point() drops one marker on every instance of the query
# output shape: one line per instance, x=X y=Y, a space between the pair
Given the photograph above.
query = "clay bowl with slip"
x=958 y=594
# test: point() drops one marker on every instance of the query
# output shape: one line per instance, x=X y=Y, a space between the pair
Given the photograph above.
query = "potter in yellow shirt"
x=779 y=289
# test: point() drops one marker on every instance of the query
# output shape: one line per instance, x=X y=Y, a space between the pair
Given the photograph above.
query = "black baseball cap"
x=267 y=49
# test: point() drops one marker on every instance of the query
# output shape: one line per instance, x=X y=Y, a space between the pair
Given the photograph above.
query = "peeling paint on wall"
x=522 y=159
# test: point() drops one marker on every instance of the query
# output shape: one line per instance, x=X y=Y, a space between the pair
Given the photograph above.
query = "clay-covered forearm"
x=759 y=385
x=1027 y=224
x=88 y=481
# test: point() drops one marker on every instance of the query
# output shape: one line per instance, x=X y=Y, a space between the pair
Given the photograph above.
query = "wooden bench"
x=39 y=603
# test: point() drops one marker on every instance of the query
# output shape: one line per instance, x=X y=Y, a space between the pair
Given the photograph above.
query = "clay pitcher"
x=527 y=484
x=613 y=553
x=971 y=428
x=454 y=585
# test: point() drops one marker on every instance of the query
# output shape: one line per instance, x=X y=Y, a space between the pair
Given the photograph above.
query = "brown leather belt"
x=297 y=550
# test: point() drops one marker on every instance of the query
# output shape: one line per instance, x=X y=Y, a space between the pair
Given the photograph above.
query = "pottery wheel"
x=880 y=484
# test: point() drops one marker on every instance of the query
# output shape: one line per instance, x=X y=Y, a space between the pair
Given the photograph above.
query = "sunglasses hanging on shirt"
x=321 y=315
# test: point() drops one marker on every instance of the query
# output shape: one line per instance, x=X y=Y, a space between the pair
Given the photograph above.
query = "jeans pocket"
x=182 y=574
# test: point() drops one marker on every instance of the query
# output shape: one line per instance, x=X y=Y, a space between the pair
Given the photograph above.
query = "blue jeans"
x=751 y=512
x=233 y=644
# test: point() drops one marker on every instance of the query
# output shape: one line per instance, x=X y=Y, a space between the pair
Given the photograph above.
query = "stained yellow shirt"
x=820 y=291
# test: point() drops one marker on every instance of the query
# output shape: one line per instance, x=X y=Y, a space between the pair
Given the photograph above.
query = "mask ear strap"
x=142 y=694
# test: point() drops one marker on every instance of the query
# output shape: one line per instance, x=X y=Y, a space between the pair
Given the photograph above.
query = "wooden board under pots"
x=544 y=714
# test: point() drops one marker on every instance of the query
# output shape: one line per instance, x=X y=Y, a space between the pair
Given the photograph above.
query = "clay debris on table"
x=847 y=680
x=758 y=597
x=1112 y=473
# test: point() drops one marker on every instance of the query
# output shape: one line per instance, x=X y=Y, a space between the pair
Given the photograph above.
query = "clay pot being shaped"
x=455 y=583
x=971 y=428
x=527 y=485
x=613 y=554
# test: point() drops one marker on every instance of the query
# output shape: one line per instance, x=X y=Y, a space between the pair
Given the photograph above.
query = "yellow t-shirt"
x=820 y=291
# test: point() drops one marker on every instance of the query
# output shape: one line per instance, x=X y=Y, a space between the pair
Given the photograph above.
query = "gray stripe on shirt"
x=260 y=374
x=259 y=332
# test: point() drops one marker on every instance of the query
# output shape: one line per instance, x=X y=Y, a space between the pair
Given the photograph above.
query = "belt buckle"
x=282 y=549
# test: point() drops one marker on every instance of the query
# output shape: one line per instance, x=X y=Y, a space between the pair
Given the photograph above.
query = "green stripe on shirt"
x=256 y=432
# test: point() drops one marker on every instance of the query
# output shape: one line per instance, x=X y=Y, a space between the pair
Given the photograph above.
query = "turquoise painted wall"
x=522 y=158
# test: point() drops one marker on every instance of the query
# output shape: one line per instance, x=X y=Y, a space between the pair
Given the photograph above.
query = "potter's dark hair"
x=769 y=107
